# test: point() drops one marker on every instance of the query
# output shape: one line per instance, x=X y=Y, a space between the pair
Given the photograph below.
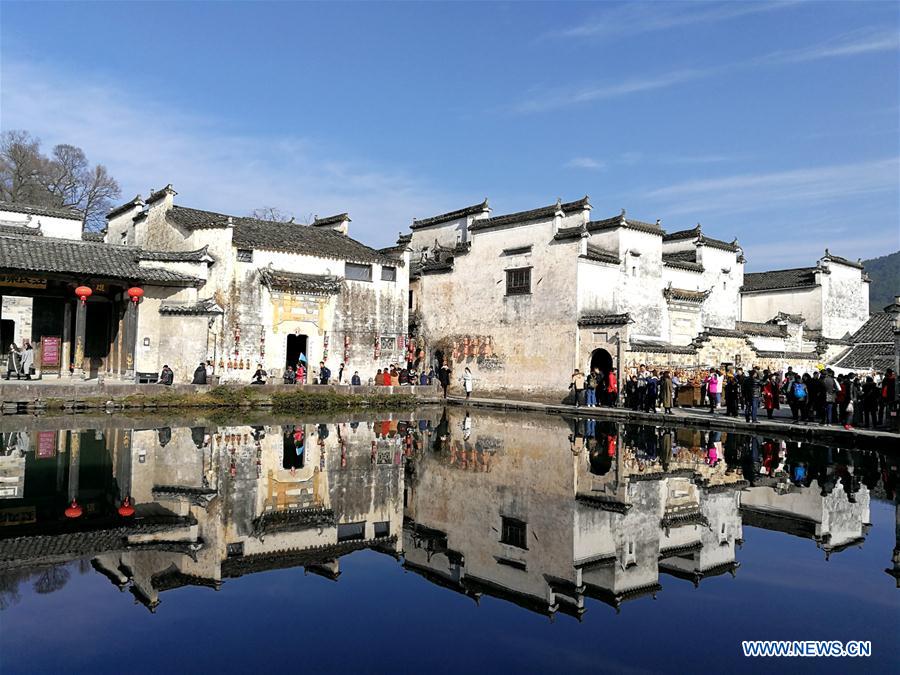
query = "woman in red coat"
x=770 y=396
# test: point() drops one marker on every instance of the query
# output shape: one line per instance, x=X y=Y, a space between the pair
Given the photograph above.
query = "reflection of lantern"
x=74 y=510
x=126 y=509
x=135 y=294
x=83 y=292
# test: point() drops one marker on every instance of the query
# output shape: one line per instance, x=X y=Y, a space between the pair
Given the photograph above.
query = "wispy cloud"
x=862 y=41
x=147 y=143
x=752 y=192
x=585 y=163
x=634 y=18
x=551 y=99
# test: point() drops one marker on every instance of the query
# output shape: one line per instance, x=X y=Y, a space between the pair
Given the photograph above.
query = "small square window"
x=518 y=281
x=383 y=529
x=513 y=532
x=355 y=272
x=389 y=274
x=245 y=255
x=388 y=344
x=351 y=531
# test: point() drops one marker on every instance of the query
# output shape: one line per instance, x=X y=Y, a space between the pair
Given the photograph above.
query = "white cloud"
x=585 y=163
x=863 y=41
x=147 y=142
x=752 y=192
x=634 y=18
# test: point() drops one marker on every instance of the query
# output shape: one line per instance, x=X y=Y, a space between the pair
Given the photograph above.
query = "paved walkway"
x=782 y=424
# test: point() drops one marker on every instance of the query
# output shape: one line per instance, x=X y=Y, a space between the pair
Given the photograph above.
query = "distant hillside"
x=885 y=274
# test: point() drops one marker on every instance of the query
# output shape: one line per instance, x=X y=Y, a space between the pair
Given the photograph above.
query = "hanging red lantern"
x=84 y=292
x=135 y=294
x=74 y=510
x=126 y=510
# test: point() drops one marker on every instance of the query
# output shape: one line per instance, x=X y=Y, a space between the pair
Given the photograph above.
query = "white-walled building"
x=286 y=289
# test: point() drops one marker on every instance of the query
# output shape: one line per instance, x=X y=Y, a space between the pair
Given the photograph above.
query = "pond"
x=436 y=540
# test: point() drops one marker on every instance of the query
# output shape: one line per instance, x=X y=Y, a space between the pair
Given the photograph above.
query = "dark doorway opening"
x=7 y=331
x=602 y=360
x=296 y=345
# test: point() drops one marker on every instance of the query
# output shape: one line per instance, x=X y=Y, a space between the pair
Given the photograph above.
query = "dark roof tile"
x=296 y=282
x=33 y=210
x=598 y=254
x=473 y=210
x=801 y=277
x=685 y=295
x=200 y=255
x=601 y=319
x=331 y=220
x=204 y=307
x=533 y=214
x=873 y=344
x=762 y=329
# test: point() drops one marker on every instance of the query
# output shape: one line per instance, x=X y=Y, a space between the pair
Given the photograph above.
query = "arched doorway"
x=602 y=360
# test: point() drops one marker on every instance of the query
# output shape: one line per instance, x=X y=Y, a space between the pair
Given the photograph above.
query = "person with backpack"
x=577 y=386
x=796 y=397
x=324 y=373
x=590 y=392
x=830 y=391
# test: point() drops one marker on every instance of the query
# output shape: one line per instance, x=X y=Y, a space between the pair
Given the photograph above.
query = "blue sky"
x=776 y=122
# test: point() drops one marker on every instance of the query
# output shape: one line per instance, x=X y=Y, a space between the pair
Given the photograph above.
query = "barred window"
x=518 y=281
x=355 y=272
x=513 y=532
x=389 y=274
x=388 y=344
x=245 y=255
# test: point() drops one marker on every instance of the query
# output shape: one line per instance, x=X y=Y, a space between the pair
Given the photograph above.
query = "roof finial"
x=658 y=222
x=826 y=252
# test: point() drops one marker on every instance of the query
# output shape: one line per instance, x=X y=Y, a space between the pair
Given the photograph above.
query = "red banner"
x=46 y=444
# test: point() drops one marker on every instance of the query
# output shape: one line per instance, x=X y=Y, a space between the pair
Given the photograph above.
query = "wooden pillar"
x=80 y=333
x=66 y=346
x=129 y=338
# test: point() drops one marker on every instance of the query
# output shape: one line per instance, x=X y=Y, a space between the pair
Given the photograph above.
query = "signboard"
x=22 y=281
x=51 y=353
x=46 y=444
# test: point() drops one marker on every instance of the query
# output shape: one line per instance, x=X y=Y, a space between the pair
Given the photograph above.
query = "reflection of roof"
x=49 y=255
x=801 y=277
x=616 y=598
x=778 y=521
x=292 y=520
x=697 y=575
x=538 y=604
x=261 y=562
x=473 y=210
x=173 y=578
x=691 y=517
x=603 y=502
x=296 y=282
x=30 y=209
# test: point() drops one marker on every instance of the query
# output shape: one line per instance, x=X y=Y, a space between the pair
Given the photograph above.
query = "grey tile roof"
x=331 y=220
x=199 y=255
x=686 y=260
x=431 y=267
x=843 y=261
x=685 y=295
x=83 y=259
x=136 y=201
x=569 y=233
x=697 y=234
x=204 y=307
x=93 y=236
x=658 y=347
x=23 y=230
x=682 y=234
x=296 y=282
x=274 y=236
x=601 y=319
x=789 y=318
x=873 y=344
x=533 y=214
x=800 y=277
x=599 y=254
x=808 y=356
x=473 y=210
x=761 y=329
x=33 y=210
x=622 y=221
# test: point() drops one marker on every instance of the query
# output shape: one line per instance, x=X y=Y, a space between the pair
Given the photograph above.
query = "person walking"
x=467 y=381
x=666 y=392
x=612 y=389
x=871 y=398
x=444 y=377
x=199 y=374
x=652 y=392
x=577 y=385
x=752 y=393
x=731 y=395
x=888 y=394
x=796 y=397
x=770 y=393
x=324 y=373
x=27 y=359
x=13 y=362
x=355 y=381
x=830 y=391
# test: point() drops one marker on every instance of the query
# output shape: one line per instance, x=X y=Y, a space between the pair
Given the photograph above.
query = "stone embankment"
x=24 y=397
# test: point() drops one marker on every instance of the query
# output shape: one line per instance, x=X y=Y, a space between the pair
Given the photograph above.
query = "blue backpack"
x=799 y=391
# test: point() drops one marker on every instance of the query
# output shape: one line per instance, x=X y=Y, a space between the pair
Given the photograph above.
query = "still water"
x=435 y=540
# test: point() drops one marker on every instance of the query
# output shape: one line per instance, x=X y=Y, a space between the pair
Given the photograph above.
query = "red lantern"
x=83 y=292
x=135 y=294
x=74 y=511
x=126 y=509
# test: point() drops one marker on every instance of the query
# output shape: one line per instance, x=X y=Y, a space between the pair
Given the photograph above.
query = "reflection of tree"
x=51 y=579
x=9 y=587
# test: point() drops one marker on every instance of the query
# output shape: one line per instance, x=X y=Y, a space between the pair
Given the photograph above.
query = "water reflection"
x=542 y=511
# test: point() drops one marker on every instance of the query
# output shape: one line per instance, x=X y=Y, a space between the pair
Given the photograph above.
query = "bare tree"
x=64 y=180
x=272 y=214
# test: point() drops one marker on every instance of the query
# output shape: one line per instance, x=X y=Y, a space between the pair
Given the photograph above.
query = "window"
x=383 y=529
x=389 y=274
x=235 y=549
x=410 y=299
x=513 y=532
x=518 y=281
x=388 y=344
x=245 y=255
x=634 y=270
x=356 y=272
